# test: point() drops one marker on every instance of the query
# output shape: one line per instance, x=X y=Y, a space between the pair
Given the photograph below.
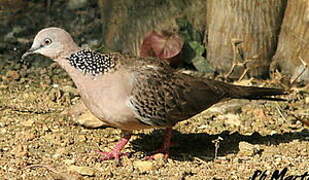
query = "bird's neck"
x=91 y=62
x=86 y=65
x=73 y=72
x=80 y=79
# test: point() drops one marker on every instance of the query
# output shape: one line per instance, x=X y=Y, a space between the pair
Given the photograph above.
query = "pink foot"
x=111 y=155
x=165 y=153
x=165 y=149
x=116 y=152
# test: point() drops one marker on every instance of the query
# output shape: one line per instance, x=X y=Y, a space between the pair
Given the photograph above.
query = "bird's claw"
x=165 y=153
x=111 y=155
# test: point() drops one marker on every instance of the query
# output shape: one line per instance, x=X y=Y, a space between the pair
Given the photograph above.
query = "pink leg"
x=165 y=148
x=116 y=152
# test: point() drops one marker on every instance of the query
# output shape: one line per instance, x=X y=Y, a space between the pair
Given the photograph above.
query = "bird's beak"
x=29 y=52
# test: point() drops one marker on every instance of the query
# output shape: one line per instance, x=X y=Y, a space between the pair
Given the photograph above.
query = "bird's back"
x=161 y=96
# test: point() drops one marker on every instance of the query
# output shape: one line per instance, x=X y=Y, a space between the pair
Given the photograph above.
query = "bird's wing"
x=162 y=97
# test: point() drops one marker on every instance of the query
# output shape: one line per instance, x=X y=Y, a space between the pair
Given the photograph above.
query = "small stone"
x=23 y=40
x=230 y=119
x=69 y=161
x=56 y=156
x=89 y=120
x=93 y=43
x=27 y=136
x=59 y=152
x=17 y=29
x=2 y=124
x=71 y=90
x=82 y=170
x=2 y=86
x=247 y=149
x=45 y=128
x=53 y=138
x=236 y=160
x=158 y=156
x=143 y=166
x=82 y=116
x=3 y=131
x=77 y=4
x=55 y=94
x=19 y=150
x=307 y=100
x=9 y=36
x=12 y=75
x=28 y=123
x=81 y=138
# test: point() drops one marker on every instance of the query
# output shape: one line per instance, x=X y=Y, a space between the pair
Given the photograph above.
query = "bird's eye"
x=47 y=41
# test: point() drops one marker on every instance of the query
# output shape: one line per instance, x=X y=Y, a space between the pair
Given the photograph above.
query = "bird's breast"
x=107 y=98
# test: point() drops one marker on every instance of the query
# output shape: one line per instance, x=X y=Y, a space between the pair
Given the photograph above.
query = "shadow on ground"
x=188 y=146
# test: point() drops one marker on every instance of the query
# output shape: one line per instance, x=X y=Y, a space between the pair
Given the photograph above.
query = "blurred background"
x=227 y=39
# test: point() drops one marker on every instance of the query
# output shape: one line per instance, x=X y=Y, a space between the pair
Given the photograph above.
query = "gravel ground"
x=231 y=140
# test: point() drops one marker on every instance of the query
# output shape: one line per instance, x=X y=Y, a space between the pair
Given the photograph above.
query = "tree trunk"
x=245 y=32
x=294 y=41
x=125 y=22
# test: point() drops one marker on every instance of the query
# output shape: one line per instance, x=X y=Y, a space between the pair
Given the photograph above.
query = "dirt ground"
x=39 y=140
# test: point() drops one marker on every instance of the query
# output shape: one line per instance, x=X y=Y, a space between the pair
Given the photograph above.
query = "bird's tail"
x=253 y=93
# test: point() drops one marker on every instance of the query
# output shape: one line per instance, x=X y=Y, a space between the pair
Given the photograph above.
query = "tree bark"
x=245 y=32
x=294 y=41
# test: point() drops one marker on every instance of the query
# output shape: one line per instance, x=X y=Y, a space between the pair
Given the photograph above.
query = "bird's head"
x=53 y=43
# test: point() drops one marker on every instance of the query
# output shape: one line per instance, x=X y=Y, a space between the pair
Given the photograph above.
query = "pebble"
x=28 y=123
x=87 y=119
x=3 y=131
x=69 y=161
x=2 y=86
x=247 y=149
x=77 y=4
x=59 y=152
x=230 y=119
x=143 y=166
x=12 y=75
x=19 y=150
x=158 y=156
x=307 y=100
x=82 y=116
x=82 y=170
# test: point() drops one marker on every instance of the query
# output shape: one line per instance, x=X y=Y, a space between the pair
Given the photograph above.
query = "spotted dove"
x=133 y=93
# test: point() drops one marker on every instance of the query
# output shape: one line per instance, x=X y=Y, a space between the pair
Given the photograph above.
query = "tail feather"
x=254 y=93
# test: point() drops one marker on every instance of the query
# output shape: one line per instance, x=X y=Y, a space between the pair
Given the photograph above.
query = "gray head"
x=53 y=43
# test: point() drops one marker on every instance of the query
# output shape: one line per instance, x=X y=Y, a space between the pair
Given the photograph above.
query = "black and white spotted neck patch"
x=91 y=62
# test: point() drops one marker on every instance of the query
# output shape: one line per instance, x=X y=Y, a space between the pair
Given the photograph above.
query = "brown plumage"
x=133 y=93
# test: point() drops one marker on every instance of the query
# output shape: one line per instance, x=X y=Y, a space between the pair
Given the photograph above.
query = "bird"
x=135 y=93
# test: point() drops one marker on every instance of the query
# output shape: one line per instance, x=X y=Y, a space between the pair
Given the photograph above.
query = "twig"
x=243 y=74
x=217 y=145
x=244 y=64
x=279 y=111
x=236 y=51
x=235 y=43
x=302 y=72
x=306 y=122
